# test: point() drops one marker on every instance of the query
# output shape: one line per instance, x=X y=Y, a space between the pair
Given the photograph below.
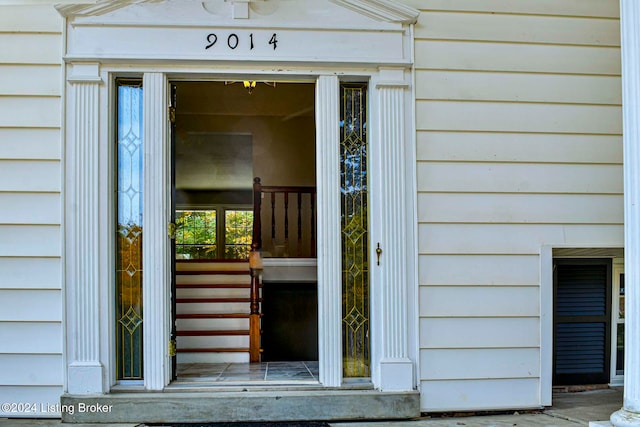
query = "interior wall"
x=278 y=119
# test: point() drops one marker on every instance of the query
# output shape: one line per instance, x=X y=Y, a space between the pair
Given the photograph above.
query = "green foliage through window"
x=201 y=235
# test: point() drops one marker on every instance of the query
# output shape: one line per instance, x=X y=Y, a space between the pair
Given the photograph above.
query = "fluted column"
x=629 y=415
x=329 y=258
x=155 y=245
x=396 y=369
x=82 y=223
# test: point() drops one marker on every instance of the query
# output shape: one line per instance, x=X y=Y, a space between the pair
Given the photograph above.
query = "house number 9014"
x=234 y=41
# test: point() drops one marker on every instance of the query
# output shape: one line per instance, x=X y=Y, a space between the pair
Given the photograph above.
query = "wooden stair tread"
x=212 y=300
x=213 y=286
x=212 y=333
x=213 y=316
x=213 y=272
x=213 y=350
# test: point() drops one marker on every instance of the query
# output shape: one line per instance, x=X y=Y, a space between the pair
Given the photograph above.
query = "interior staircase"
x=212 y=311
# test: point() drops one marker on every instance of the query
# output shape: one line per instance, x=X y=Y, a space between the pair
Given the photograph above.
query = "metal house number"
x=234 y=41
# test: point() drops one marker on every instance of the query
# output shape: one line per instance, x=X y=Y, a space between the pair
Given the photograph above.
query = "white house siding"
x=519 y=146
x=31 y=209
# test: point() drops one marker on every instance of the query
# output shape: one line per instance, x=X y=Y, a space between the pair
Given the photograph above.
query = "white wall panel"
x=477 y=332
x=523 y=28
x=37 y=80
x=594 y=8
x=31 y=337
x=19 y=305
x=519 y=147
x=447 y=364
x=21 y=48
x=41 y=395
x=30 y=111
x=519 y=178
x=31 y=18
x=31 y=369
x=479 y=394
x=497 y=270
x=519 y=117
x=512 y=239
x=479 y=301
x=30 y=186
x=521 y=87
x=523 y=208
x=30 y=175
x=30 y=273
x=30 y=240
x=484 y=56
x=29 y=208
x=30 y=143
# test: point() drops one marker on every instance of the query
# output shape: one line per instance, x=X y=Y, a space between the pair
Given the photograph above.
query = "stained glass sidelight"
x=129 y=152
x=354 y=226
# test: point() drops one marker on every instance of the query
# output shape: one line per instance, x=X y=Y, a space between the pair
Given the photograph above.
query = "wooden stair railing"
x=290 y=192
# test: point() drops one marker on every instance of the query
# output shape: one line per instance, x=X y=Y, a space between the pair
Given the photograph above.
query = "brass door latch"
x=378 y=252
x=171 y=230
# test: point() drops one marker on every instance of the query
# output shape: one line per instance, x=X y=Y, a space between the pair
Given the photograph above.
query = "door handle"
x=378 y=252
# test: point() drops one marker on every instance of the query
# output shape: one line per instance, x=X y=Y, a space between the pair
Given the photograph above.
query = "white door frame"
x=377 y=49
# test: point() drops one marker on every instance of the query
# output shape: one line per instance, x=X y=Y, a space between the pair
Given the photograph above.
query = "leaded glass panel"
x=129 y=154
x=354 y=227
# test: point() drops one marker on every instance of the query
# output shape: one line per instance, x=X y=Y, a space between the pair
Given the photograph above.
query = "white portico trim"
x=109 y=44
x=629 y=415
x=384 y=10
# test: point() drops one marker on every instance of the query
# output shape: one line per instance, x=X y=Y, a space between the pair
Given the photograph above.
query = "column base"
x=396 y=375
x=624 y=418
x=85 y=378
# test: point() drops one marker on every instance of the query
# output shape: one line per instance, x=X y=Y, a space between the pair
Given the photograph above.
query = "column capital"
x=85 y=72
x=391 y=77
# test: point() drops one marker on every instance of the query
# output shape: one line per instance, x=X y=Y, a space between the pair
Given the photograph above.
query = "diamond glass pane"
x=129 y=154
x=355 y=237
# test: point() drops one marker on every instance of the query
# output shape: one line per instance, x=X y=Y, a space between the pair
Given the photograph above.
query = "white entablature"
x=381 y=10
x=357 y=32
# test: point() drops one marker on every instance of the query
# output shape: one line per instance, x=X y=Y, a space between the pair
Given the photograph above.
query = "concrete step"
x=219 y=405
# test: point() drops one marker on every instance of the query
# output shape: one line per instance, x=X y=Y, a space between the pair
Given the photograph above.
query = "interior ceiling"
x=285 y=100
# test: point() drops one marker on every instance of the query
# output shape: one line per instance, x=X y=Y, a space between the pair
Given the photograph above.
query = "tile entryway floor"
x=269 y=372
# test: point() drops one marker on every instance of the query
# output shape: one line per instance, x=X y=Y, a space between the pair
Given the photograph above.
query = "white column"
x=396 y=368
x=329 y=250
x=85 y=374
x=155 y=243
x=629 y=415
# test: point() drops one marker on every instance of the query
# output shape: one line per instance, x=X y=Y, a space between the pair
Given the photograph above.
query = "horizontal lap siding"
x=519 y=120
x=31 y=198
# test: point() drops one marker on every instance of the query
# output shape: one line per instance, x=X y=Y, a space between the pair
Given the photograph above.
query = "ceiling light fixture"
x=250 y=85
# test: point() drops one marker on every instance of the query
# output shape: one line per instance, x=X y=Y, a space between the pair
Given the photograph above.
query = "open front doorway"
x=243 y=167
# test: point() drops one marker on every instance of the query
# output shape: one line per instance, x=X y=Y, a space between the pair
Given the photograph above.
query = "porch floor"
x=264 y=372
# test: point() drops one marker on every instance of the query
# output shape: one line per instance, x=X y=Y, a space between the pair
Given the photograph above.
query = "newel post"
x=255 y=267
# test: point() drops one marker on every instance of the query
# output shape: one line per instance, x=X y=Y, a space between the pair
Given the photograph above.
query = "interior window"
x=213 y=233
